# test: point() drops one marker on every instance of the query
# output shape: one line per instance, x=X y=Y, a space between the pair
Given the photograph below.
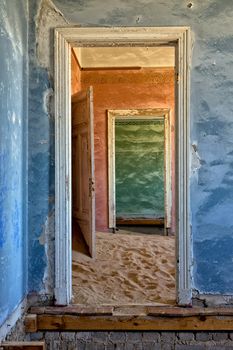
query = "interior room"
x=36 y=309
x=123 y=175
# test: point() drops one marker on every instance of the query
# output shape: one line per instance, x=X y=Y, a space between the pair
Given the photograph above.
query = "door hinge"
x=91 y=186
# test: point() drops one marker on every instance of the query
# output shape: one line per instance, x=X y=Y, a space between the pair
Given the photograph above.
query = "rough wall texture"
x=148 y=340
x=123 y=89
x=43 y=17
x=211 y=123
x=13 y=154
x=136 y=340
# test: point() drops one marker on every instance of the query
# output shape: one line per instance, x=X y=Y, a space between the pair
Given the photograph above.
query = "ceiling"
x=103 y=57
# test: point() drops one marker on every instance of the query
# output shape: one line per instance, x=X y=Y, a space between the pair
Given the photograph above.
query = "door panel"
x=83 y=165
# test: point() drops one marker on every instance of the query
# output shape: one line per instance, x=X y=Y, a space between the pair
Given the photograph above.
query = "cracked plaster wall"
x=211 y=121
x=43 y=18
x=13 y=154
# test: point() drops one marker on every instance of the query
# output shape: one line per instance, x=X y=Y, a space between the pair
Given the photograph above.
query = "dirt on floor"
x=128 y=269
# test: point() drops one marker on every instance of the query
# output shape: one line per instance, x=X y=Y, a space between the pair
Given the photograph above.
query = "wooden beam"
x=134 y=323
x=30 y=322
x=74 y=318
x=73 y=310
x=107 y=310
x=32 y=345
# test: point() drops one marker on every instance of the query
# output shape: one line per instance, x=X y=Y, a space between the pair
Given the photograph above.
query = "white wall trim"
x=63 y=252
x=120 y=36
x=13 y=318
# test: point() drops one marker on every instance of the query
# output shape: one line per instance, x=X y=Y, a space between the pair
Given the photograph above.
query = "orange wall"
x=124 y=89
x=75 y=74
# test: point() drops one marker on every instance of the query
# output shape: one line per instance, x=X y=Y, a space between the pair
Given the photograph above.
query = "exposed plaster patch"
x=211 y=300
x=48 y=18
x=47 y=240
x=43 y=142
x=47 y=97
x=196 y=160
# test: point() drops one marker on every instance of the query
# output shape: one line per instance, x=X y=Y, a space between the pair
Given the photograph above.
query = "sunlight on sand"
x=128 y=269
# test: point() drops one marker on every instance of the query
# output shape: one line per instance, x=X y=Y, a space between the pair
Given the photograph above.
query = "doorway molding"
x=65 y=38
x=140 y=114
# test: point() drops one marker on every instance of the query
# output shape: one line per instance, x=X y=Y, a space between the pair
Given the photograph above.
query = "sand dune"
x=128 y=269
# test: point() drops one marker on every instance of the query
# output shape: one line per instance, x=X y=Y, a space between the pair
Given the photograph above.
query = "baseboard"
x=13 y=318
x=140 y=221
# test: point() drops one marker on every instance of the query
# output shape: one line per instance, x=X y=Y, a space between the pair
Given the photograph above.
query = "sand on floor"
x=128 y=269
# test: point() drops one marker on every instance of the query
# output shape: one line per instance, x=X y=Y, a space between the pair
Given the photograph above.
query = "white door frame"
x=132 y=114
x=65 y=38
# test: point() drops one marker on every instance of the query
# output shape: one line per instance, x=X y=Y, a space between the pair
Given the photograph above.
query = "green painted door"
x=139 y=164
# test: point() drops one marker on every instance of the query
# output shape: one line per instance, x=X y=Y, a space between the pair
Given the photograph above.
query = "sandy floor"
x=128 y=269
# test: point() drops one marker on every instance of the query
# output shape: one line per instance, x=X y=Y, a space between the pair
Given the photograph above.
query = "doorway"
x=144 y=150
x=139 y=159
x=179 y=37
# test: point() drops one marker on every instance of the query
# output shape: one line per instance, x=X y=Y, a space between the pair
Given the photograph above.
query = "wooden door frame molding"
x=132 y=114
x=65 y=38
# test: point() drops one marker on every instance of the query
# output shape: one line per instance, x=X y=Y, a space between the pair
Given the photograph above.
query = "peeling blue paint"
x=41 y=176
x=13 y=173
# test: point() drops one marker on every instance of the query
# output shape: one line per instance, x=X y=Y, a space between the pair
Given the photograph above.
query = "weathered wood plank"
x=32 y=345
x=188 y=312
x=129 y=317
x=82 y=323
x=30 y=322
x=73 y=310
x=136 y=309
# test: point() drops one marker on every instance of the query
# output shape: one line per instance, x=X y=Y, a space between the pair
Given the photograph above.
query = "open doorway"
x=140 y=161
x=122 y=180
x=177 y=37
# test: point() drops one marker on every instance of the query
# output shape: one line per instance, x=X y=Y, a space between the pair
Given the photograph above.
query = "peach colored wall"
x=124 y=89
x=75 y=74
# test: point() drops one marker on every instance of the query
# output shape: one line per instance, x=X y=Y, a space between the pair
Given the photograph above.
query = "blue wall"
x=40 y=158
x=211 y=116
x=211 y=131
x=13 y=154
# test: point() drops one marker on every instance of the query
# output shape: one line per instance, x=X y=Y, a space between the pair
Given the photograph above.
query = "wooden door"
x=83 y=165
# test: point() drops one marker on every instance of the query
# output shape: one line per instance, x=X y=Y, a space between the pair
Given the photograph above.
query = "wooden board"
x=83 y=188
x=72 y=310
x=32 y=345
x=134 y=318
x=164 y=323
x=30 y=323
